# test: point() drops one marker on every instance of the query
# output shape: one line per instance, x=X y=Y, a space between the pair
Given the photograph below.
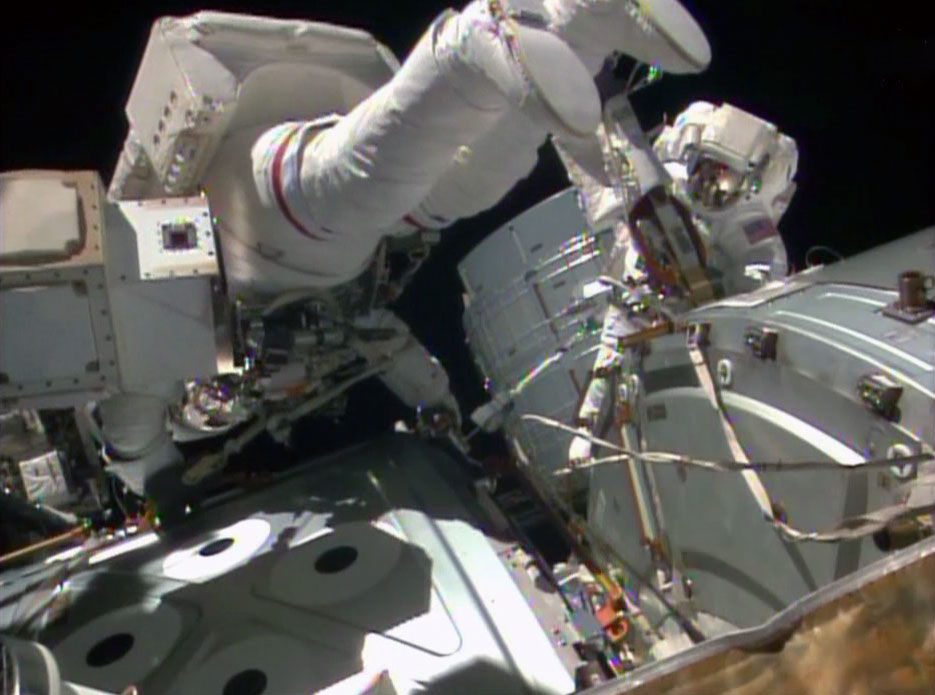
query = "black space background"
x=852 y=82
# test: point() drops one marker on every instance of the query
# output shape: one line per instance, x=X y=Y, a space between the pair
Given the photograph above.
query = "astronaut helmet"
x=727 y=162
x=714 y=185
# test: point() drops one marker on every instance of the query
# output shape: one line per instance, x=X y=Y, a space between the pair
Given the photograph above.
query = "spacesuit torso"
x=735 y=172
x=265 y=252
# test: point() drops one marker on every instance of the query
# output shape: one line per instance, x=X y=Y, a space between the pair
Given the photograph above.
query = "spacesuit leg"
x=659 y=32
x=378 y=162
x=417 y=378
x=594 y=405
x=506 y=153
x=139 y=445
x=483 y=171
x=619 y=322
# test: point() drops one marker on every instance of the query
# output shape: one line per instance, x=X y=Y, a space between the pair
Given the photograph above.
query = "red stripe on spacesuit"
x=278 y=192
x=409 y=219
x=759 y=229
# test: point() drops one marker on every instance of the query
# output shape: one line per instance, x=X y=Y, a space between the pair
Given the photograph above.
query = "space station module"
x=240 y=265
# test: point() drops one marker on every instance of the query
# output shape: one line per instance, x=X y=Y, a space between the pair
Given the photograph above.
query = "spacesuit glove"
x=580 y=449
x=136 y=471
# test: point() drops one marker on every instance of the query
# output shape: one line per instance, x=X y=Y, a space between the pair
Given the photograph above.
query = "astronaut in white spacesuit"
x=306 y=204
x=734 y=172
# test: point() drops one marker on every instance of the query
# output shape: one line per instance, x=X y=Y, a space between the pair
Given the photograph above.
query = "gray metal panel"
x=737 y=563
x=741 y=569
x=804 y=405
x=29 y=248
x=123 y=334
x=46 y=382
x=420 y=593
x=834 y=334
x=66 y=309
x=165 y=329
x=612 y=508
x=882 y=265
x=48 y=378
x=28 y=230
x=521 y=283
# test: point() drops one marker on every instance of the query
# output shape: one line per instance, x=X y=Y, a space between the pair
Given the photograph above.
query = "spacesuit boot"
x=417 y=378
x=534 y=68
x=139 y=446
x=657 y=32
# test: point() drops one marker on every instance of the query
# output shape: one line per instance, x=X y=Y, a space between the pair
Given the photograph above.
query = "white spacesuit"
x=456 y=127
x=304 y=205
x=735 y=173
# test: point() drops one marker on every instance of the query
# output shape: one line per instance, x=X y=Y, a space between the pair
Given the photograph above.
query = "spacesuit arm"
x=417 y=378
x=379 y=161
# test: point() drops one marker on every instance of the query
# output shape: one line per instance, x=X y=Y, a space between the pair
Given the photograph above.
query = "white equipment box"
x=95 y=300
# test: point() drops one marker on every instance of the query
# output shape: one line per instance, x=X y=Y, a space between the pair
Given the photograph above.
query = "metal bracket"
x=881 y=394
x=698 y=334
x=725 y=373
x=909 y=315
x=762 y=342
x=912 y=306
x=174 y=237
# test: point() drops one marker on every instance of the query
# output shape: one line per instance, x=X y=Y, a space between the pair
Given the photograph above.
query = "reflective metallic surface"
x=365 y=563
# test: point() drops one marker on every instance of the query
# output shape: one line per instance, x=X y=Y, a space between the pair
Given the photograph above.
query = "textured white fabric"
x=652 y=31
x=617 y=324
x=133 y=422
x=264 y=254
x=598 y=198
x=445 y=138
x=483 y=172
x=580 y=448
x=440 y=141
x=415 y=376
x=747 y=251
x=135 y=428
x=277 y=161
x=381 y=160
x=743 y=242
